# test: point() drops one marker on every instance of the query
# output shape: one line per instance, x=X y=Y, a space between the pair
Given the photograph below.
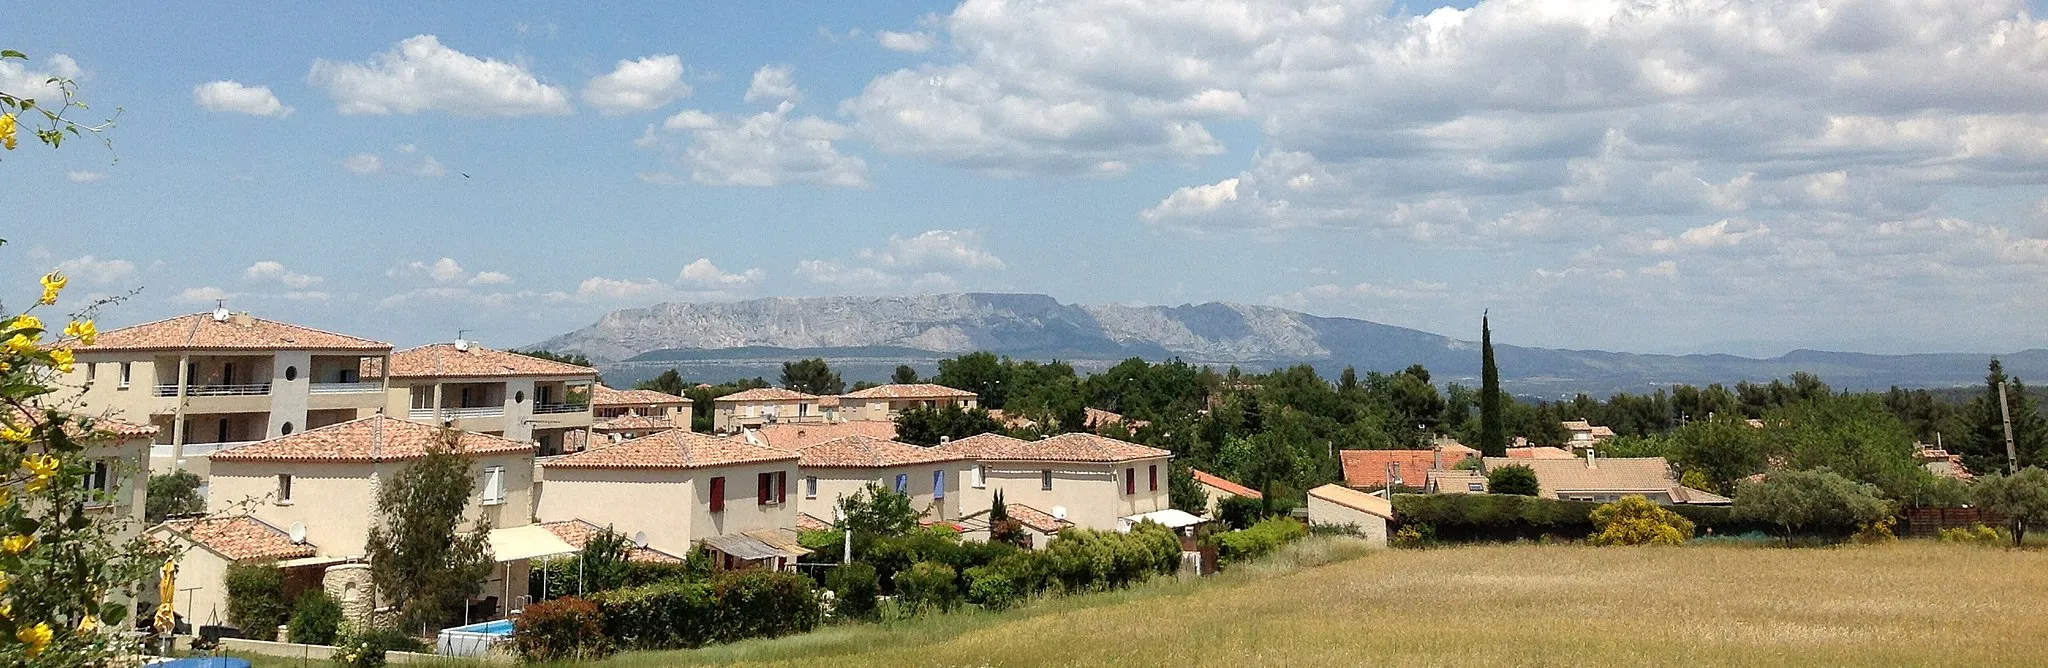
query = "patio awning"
x=1171 y=518
x=527 y=542
x=752 y=548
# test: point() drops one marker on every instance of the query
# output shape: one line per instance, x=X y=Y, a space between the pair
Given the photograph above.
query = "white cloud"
x=420 y=74
x=773 y=83
x=827 y=272
x=363 y=164
x=203 y=295
x=599 y=288
x=638 y=85
x=703 y=273
x=1666 y=268
x=490 y=278
x=429 y=168
x=1194 y=200
x=766 y=149
x=444 y=270
x=83 y=176
x=422 y=165
x=934 y=251
x=238 y=98
x=95 y=270
x=906 y=42
x=274 y=271
x=23 y=80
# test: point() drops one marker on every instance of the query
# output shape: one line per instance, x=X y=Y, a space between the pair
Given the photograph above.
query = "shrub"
x=365 y=648
x=1497 y=517
x=1879 y=531
x=765 y=604
x=1414 y=535
x=256 y=599
x=1816 y=501
x=733 y=606
x=1258 y=541
x=1240 y=512
x=2021 y=497
x=1975 y=533
x=1006 y=581
x=855 y=590
x=928 y=585
x=1516 y=479
x=559 y=630
x=1634 y=520
x=316 y=618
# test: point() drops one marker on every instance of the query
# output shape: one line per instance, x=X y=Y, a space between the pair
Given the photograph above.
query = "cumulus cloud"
x=638 y=85
x=363 y=164
x=906 y=42
x=420 y=74
x=238 y=98
x=599 y=288
x=274 y=271
x=95 y=270
x=408 y=160
x=702 y=272
x=767 y=149
x=445 y=270
x=490 y=278
x=24 y=80
x=931 y=260
x=84 y=176
x=773 y=83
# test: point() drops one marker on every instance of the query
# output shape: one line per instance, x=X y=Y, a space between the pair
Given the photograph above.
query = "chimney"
x=1439 y=454
x=1590 y=463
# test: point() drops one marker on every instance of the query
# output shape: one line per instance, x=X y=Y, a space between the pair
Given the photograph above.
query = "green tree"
x=1724 y=449
x=2021 y=497
x=316 y=618
x=812 y=376
x=1852 y=435
x=1807 y=501
x=904 y=375
x=174 y=493
x=256 y=598
x=875 y=512
x=1493 y=433
x=1183 y=492
x=928 y=426
x=420 y=559
x=1513 y=479
x=667 y=382
x=577 y=359
x=981 y=373
x=1983 y=446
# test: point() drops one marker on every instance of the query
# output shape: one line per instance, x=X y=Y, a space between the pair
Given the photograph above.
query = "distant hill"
x=865 y=337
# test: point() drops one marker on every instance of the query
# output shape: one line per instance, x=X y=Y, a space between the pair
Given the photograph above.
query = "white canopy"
x=1171 y=518
x=527 y=542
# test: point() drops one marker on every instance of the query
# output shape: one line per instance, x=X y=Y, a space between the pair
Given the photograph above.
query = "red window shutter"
x=1130 y=481
x=718 y=494
x=1154 y=472
x=763 y=492
x=781 y=486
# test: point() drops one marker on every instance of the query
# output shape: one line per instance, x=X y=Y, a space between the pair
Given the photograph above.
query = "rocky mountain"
x=866 y=336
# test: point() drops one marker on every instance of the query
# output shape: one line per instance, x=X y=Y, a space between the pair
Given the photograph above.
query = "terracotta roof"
x=1688 y=495
x=1456 y=482
x=1540 y=452
x=1368 y=468
x=1355 y=500
x=577 y=532
x=672 y=449
x=1607 y=474
x=1219 y=482
x=869 y=452
x=240 y=538
x=765 y=394
x=808 y=522
x=634 y=423
x=793 y=436
x=909 y=391
x=374 y=438
x=605 y=396
x=1038 y=520
x=1454 y=451
x=443 y=360
x=200 y=331
x=1061 y=448
x=100 y=425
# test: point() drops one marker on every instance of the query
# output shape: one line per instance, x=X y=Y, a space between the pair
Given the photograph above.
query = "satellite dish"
x=297 y=533
x=640 y=539
x=1059 y=512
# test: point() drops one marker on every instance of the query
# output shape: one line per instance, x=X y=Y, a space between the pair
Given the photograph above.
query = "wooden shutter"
x=764 y=492
x=1130 y=481
x=718 y=494
x=781 y=486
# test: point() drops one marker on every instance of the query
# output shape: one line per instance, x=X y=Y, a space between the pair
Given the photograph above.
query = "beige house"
x=797 y=436
x=1338 y=505
x=675 y=488
x=1219 y=488
x=1585 y=434
x=837 y=469
x=1607 y=479
x=765 y=405
x=882 y=403
x=209 y=381
x=208 y=546
x=473 y=388
x=607 y=403
x=1085 y=479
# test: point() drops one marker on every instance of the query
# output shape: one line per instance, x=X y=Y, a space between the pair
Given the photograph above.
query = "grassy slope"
x=1913 y=603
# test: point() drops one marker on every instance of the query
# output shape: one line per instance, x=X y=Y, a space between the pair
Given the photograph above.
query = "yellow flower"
x=13 y=434
x=18 y=543
x=63 y=359
x=26 y=321
x=35 y=637
x=43 y=467
x=20 y=345
x=53 y=283
x=7 y=131
x=83 y=330
x=89 y=624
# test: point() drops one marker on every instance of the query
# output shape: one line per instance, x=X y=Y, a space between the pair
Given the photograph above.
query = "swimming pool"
x=474 y=639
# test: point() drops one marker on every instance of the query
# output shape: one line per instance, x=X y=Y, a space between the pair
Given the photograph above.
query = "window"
x=811 y=487
x=939 y=484
x=902 y=483
x=291 y=373
x=1475 y=487
x=126 y=368
x=1153 y=471
x=718 y=494
x=773 y=488
x=286 y=430
x=494 y=485
x=284 y=488
x=978 y=476
x=101 y=479
x=1045 y=480
x=519 y=397
x=1131 y=481
x=91 y=371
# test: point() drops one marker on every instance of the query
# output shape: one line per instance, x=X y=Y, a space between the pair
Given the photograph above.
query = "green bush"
x=365 y=648
x=1975 y=533
x=1006 y=581
x=1240 y=512
x=560 y=630
x=1811 y=502
x=1258 y=541
x=928 y=585
x=765 y=604
x=1514 y=479
x=316 y=618
x=855 y=590
x=256 y=599
x=734 y=606
x=1635 y=520
x=1499 y=517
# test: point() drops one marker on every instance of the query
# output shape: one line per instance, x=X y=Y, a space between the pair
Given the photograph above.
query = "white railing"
x=345 y=388
x=545 y=409
x=453 y=412
x=194 y=449
x=252 y=389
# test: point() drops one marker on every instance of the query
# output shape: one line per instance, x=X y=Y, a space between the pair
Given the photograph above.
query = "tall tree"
x=1493 y=432
x=905 y=375
x=669 y=382
x=919 y=425
x=812 y=376
x=981 y=373
x=1983 y=447
x=420 y=559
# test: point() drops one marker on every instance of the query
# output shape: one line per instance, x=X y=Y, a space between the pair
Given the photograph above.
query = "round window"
x=291 y=373
x=287 y=428
x=519 y=397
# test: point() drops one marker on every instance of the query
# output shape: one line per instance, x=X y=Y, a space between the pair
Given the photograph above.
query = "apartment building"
x=474 y=388
x=841 y=467
x=209 y=381
x=607 y=403
x=766 y=405
x=883 y=402
x=677 y=489
x=1085 y=479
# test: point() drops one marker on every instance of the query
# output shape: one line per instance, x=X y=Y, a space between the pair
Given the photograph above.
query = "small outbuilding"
x=1338 y=505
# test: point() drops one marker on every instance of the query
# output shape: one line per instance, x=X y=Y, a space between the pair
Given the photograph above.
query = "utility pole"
x=2012 y=457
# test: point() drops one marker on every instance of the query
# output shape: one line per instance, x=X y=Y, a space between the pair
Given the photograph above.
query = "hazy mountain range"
x=865 y=337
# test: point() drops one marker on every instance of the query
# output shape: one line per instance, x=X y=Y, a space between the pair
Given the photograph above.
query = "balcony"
x=453 y=412
x=551 y=409
x=250 y=390
x=344 y=388
x=163 y=450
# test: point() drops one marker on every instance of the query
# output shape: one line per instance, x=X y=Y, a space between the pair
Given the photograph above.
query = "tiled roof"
x=869 y=452
x=793 y=436
x=1038 y=520
x=443 y=360
x=578 y=532
x=1355 y=500
x=240 y=538
x=634 y=423
x=809 y=522
x=672 y=449
x=200 y=331
x=909 y=391
x=374 y=438
x=605 y=396
x=1219 y=482
x=1368 y=468
x=1539 y=452
x=1061 y=448
x=1456 y=482
x=1688 y=495
x=1454 y=451
x=1607 y=474
x=100 y=425
x=765 y=394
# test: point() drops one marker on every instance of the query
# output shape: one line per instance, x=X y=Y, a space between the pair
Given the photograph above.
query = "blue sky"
x=1657 y=176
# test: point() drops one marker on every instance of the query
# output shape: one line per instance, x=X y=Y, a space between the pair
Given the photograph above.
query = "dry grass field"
x=1913 y=603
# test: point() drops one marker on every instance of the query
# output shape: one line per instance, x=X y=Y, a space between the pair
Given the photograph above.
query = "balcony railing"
x=454 y=412
x=545 y=409
x=252 y=389
x=194 y=449
x=345 y=388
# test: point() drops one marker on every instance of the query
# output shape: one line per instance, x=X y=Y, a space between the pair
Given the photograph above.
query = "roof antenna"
x=220 y=310
x=462 y=340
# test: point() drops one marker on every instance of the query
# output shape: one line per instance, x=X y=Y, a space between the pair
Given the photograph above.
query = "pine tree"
x=1493 y=433
x=1983 y=448
x=420 y=558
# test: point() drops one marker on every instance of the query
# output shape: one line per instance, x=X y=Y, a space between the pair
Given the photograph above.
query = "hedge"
x=735 y=606
x=1258 y=541
x=562 y=629
x=1502 y=517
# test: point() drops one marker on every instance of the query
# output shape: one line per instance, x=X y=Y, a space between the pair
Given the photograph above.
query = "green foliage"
x=731 y=607
x=2021 y=497
x=904 y=375
x=1816 y=501
x=1240 y=512
x=1183 y=492
x=928 y=586
x=920 y=425
x=1698 y=479
x=316 y=618
x=1514 y=479
x=1854 y=436
x=1978 y=429
x=1975 y=533
x=1006 y=581
x=1635 y=520
x=1088 y=560
x=812 y=376
x=1632 y=445
x=856 y=590
x=876 y=512
x=568 y=629
x=1493 y=433
x=667 y=382
x=256 y=599
x=174 y=493
x=1414 y=536
x=365 y=648
x=577 y=359
x=1258 y=541
x=1723 y=450
x=1499 y=517
x=703 y=400
x=420 y=559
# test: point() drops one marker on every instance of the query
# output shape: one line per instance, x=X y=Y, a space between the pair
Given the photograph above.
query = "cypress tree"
x=1493 y=433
